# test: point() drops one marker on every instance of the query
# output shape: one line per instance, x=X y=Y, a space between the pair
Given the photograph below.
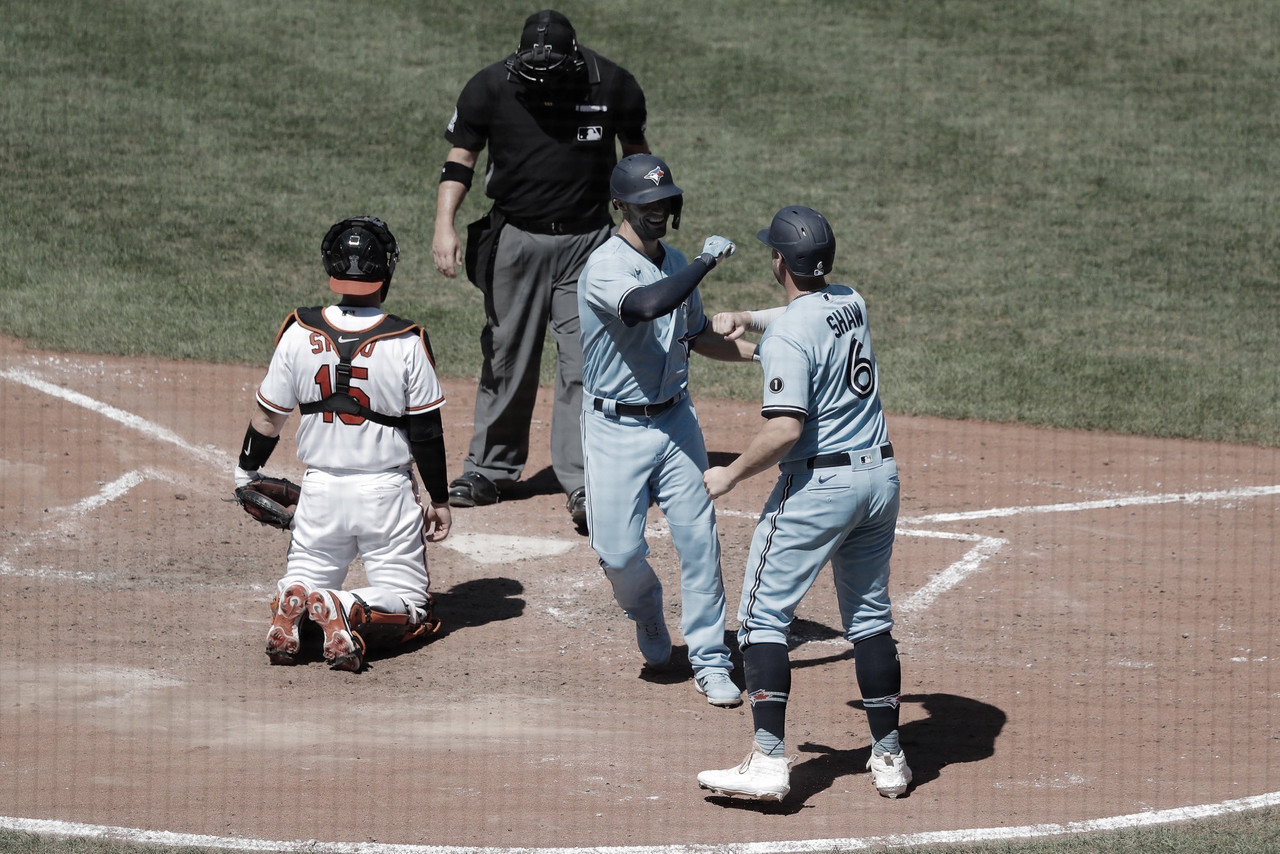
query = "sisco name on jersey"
x=845 y=318
x=321 y=344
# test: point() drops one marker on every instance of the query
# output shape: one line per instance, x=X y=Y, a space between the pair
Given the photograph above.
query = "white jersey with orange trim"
x=393 y=376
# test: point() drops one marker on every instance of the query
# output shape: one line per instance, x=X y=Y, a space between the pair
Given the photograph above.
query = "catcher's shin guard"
x=380 y=629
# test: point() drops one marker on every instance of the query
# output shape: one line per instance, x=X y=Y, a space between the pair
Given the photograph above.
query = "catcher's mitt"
x=270 y=500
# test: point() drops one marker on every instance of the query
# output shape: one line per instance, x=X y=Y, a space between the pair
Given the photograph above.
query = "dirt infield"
x=1088 y=627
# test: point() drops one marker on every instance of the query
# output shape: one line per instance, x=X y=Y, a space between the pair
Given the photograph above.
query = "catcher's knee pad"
x=380 y=629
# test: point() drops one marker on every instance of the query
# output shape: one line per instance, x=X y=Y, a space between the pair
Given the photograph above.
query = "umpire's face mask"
x=549 y=72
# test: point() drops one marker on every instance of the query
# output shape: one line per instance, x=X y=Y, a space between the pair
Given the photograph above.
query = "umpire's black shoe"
x=472 y=490
x=577 y=506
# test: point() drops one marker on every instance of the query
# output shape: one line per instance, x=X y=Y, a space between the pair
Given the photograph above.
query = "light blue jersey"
x=644 y=363
x=635 y=459
x=837 y=494
x=818 y=364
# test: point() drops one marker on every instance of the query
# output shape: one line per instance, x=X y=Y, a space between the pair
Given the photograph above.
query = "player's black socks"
x=880 y=682
x=768 y=678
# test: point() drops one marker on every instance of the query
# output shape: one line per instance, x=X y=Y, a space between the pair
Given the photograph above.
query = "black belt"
x=826 y=461
x=644 y=410
x=568 y=226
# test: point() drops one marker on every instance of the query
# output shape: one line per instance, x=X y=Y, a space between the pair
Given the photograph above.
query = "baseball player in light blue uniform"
x=641 y=314
x=836 y=499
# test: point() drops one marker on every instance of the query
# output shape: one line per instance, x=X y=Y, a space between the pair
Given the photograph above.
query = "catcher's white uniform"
x=359 y=496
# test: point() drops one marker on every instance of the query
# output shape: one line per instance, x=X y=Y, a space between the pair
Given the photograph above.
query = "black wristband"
x=454 y=171
x=708 y=259
x=257 y=449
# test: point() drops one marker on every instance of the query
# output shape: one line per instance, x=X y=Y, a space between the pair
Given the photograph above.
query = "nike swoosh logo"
x=342 y=340
x=825 y=479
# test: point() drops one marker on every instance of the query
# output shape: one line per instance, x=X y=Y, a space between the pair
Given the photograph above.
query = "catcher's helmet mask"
x=642 y=179
x=359 y=254
x=804 y=239
x=548 y=54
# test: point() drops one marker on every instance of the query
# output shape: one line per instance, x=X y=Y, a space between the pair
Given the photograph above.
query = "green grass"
x=1062 y=212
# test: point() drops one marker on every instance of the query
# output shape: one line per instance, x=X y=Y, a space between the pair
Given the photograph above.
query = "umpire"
x=549 y=113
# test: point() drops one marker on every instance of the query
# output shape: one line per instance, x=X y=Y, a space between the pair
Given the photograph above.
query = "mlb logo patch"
x=590 y=133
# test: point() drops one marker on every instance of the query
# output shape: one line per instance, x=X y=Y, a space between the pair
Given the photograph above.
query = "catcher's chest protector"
x=347 y=345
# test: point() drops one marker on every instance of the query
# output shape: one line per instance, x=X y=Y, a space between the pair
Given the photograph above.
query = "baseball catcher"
x=364 y=384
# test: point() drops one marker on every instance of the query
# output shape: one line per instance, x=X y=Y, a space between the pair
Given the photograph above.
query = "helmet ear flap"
x=335 y=263
x=384 y=236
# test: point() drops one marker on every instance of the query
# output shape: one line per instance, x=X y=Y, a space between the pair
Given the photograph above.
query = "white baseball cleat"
x=890 y=773
x=283 y=641
x=714 y=684
x=765 y=778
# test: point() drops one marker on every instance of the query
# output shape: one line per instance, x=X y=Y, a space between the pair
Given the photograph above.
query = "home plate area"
x=1087 y=626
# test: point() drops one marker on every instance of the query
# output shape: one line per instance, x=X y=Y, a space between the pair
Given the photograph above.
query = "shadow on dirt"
x=542 y=482
x=478 y=602
x=957 y=730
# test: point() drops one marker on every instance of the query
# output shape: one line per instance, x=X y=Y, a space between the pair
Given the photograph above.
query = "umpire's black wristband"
x=454 y=171
x=257 y=449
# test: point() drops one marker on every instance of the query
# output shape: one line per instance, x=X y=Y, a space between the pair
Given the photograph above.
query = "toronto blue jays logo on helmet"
x=655 y=175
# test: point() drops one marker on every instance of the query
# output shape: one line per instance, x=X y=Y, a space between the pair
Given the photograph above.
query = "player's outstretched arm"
x=731 y=324
x=649 y=302
x=766 y=450
x=714 y=345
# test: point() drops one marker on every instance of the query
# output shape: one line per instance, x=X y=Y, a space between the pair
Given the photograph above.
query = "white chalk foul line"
x=155 y=431
x=1099 y=504
x=984 y=549
x=988 y=546
x=940 y=837
x=109 y=492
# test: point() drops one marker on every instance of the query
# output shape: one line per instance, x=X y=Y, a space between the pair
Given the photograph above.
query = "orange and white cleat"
x=343 y=648
x=283 y=641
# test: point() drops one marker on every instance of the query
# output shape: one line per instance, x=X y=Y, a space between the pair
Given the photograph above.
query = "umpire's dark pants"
x=535 y=283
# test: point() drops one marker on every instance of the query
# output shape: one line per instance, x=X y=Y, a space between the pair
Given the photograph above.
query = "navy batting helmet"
x=641 y=179
x=548 y=53
x=804 y=239
x=359 y=254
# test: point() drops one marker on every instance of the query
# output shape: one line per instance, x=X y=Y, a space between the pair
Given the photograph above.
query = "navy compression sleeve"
x=426 y=442
x=662 y=297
